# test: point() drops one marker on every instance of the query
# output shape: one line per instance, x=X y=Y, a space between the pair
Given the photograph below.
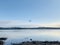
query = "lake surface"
x=16 y=36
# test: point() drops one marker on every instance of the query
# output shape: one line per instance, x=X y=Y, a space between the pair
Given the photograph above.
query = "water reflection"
x=24 y=35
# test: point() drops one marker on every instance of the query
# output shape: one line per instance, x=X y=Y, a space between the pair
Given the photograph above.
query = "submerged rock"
x=3 y=38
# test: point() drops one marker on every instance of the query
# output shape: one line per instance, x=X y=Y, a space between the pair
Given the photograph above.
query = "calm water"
x=24 y=35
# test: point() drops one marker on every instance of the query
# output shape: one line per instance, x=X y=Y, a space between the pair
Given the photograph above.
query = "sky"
x=19 y=12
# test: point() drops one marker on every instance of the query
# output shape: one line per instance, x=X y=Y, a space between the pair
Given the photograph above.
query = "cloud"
x=53 y=24
x=13 y=23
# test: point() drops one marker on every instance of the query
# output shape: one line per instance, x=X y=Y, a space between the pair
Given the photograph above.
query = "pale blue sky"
x=39 y=11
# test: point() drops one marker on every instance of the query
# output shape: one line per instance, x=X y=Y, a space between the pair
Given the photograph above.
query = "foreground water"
x=16 y=36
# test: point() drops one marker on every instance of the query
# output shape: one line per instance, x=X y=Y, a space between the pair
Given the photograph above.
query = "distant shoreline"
x=8 y=28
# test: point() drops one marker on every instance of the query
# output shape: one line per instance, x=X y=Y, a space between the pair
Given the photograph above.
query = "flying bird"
x=29 y=20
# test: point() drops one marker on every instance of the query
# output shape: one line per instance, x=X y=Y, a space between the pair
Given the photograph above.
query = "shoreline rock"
x=38 y=43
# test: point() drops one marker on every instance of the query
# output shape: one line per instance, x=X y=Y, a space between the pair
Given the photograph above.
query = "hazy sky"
x=39 y=11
